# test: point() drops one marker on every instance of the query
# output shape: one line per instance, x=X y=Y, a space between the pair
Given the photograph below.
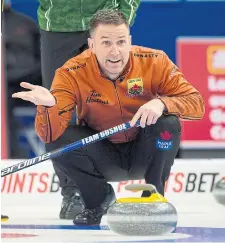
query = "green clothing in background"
x=74 y=15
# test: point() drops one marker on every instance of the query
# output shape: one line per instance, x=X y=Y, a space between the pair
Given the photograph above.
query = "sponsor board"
x=202 y=60
x=190 y=181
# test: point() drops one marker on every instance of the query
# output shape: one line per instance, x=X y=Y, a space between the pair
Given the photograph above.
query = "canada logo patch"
x=164 y=142
x=135 y=86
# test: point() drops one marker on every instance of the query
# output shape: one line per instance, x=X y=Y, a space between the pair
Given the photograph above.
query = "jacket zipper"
x=121 y=112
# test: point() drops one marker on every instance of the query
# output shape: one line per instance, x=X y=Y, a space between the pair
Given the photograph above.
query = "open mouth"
x=112 y=61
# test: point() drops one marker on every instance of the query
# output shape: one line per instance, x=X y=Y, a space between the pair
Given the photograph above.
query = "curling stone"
x=219 y=191
x=144 y=216
x=4 y=218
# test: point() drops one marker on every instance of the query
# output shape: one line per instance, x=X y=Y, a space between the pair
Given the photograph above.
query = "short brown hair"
x=107 y=16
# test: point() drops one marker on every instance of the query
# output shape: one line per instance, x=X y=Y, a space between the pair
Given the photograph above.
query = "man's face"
x=111 y=44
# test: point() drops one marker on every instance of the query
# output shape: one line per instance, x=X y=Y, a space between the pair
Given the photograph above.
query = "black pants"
x=56 y=49
x=149 y=156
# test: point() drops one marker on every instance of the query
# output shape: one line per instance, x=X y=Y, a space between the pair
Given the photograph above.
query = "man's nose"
x=115 y=50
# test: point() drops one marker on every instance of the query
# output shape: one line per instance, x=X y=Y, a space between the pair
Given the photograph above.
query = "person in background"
x=21 y=38
x=64 y=29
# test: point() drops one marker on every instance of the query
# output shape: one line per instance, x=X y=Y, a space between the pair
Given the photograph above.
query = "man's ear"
x=130 y=39
x=91 y=44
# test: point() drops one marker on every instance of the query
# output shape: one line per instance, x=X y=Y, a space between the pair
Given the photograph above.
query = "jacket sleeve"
x=51 y=122
x=129 y=9
x=178 y=95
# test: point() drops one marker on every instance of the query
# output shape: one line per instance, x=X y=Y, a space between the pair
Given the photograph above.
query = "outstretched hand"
x=38 y=95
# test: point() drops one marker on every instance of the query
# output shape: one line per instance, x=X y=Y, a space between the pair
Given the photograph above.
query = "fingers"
x=27 y=85
x=154 y=120
x=135 y=118
x=150 y=119
x=19 y=94
x=148 y=113
x=147 y=117
x=25 y=96
x=144 y=119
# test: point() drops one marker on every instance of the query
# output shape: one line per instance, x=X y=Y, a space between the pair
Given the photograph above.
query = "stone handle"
x=141 y=187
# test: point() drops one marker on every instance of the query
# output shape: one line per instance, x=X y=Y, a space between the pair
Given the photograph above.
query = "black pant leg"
x=154 y=152
x=89 y=167
x=57 y=48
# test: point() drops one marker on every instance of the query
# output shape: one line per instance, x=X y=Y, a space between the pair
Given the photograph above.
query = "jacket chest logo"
x=95 y=97
x=135 y=86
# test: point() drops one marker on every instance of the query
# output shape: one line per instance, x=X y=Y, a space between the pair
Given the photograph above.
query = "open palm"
x=37 y=95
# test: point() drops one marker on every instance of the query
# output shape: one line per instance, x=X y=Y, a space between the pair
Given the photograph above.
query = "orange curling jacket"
x=101 y=103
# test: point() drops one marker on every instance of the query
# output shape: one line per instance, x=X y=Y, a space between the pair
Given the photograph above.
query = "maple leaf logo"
x=135 y=87
x=165 y=135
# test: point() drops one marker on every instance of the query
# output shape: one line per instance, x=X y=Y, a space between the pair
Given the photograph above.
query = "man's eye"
x=107 y=43
x=121 y=42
